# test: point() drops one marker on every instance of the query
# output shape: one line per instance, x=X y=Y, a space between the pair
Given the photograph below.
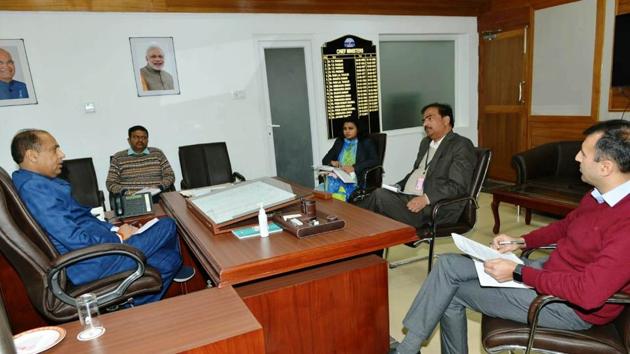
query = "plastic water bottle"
x=262 y=222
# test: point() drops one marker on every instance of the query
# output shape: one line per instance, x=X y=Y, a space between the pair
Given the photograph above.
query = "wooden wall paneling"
x=543 y=129
x=337 y=308
x=600 y=24
x=384 y=7
x=546 y=129
x=623 y=7
x=618 y=99
x=503 y=19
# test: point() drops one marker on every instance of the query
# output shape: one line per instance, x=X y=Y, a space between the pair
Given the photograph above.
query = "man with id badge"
x=443 y=169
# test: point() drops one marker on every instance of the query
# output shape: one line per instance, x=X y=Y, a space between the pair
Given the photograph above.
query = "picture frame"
x=16 y=82
x=154 y=66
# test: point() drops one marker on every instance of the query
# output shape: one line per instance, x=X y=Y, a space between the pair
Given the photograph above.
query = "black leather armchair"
x=468 y=218
x=82 y=178
x=206 y=165
x=42 y=269
x=499 y=335
x=551 y=166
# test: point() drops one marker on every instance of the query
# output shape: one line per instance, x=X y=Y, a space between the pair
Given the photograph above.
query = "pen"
x=517 y=242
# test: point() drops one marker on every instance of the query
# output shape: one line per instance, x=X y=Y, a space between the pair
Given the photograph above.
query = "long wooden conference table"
x=322 y=294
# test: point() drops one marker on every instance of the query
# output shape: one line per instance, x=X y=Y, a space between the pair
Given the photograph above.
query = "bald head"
x=7 y=67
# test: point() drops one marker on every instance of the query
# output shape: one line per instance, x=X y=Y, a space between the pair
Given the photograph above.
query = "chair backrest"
x=82 y=178
x=469 y=215
x=380 y=141
x=204 y=165
x=27 y=248
x=375 y=177
x=567 y=166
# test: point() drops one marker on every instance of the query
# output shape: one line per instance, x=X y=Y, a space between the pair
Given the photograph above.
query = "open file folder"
x=227 y=208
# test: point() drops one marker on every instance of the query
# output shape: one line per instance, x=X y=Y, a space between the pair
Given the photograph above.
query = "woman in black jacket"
x=353 y=154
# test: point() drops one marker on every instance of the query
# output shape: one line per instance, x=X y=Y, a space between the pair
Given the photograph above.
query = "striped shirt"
x=134 y=172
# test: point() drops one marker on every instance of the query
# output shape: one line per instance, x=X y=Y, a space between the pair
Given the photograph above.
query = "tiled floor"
x=405 y=281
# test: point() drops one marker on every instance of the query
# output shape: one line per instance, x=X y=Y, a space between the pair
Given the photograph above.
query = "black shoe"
x=184 y=273
x=393 y=344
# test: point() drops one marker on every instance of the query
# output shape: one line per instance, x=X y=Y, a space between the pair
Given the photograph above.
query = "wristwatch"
x=517 y=274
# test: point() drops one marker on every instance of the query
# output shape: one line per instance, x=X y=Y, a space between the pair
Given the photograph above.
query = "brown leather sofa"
x=551 y=166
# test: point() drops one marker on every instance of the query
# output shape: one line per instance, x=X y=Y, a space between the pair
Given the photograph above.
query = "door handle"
x=521 y=99
x=275 y=125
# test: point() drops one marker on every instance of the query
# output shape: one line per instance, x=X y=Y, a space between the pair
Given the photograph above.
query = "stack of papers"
x=481 y=253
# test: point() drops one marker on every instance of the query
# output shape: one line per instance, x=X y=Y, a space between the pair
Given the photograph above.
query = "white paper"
x=99 y=213
x=343 y=175
x=482 y=253
x=154 y=191
x=486 y=279
x=146 y=226
x=395 y=189
x=196 y=192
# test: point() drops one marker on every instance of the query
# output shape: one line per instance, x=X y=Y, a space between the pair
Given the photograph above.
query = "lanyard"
x=426 y=161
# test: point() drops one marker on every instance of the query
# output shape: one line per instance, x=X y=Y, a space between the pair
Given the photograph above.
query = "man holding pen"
x=589 y=264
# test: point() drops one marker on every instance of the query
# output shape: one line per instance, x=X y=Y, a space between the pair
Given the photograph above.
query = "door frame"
x=288 y=42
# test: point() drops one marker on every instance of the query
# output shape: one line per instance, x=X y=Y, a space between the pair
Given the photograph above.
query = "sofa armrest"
x=538 y=162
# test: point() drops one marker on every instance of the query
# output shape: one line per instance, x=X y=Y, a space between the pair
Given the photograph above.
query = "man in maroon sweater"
x=590 y=263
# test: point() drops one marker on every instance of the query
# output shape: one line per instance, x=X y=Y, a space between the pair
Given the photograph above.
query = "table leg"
x=528 y=216
x=495 y=213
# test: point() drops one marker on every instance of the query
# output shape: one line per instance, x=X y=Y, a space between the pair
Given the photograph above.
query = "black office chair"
x=499 y=335
x=466 y=221
x=206 y=165
x=82 y=178
x=42 y=269
x=373 y=176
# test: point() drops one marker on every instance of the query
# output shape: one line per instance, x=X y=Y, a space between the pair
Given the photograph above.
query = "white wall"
x=77 y=58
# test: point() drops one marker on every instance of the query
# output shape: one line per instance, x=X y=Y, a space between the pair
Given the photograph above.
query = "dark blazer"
x=366 y=157
x=449 y=174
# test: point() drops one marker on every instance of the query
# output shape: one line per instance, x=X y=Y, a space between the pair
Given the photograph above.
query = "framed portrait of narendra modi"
x=16 y=84
x=154 y=66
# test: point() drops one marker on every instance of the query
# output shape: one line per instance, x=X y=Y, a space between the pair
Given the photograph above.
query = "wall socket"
x=90 y=107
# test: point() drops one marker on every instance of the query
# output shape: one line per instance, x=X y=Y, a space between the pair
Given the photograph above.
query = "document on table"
x=197 y=192
x=242 y=199
x=344 y=176
x=146 y=226
x=481 y=253
x=154 y=191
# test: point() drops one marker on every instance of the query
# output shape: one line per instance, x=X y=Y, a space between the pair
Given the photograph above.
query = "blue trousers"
x=160 y=245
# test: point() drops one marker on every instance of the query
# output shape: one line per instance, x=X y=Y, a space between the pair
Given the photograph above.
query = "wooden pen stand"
x=325 y=223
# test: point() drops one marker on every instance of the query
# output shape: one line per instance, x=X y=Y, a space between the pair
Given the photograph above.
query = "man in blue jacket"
x=9 y=88
x=70 y=226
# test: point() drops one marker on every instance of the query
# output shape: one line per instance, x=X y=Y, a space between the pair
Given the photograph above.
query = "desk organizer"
x=327 y=223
